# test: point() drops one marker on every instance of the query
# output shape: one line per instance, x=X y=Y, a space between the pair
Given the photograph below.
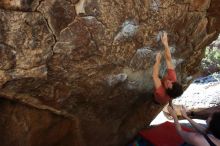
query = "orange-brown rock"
x=78 y=72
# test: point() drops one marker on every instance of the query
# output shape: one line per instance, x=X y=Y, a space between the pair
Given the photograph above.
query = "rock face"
x=78 y=72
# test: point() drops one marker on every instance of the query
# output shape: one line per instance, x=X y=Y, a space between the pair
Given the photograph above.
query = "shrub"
x=211 y=62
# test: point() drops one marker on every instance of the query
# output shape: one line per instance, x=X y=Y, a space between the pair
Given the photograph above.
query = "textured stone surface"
x=28 y=126
x=92 y=61
x=202 y=93
x=26 y=44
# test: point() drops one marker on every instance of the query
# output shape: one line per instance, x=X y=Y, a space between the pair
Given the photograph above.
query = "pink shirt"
x=160 y=94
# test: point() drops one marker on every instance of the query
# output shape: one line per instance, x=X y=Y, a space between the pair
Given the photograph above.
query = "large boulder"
x=78 y=72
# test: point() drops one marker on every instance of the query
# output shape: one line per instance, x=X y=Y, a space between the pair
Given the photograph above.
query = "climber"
x=168 y=88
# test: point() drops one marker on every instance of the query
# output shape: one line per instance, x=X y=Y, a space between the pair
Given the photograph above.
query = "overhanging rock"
x=90 y=64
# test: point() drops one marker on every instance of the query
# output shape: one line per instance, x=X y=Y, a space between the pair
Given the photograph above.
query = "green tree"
x=211 y=62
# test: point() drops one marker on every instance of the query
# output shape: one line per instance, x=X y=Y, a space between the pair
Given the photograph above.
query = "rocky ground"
x=204 y=92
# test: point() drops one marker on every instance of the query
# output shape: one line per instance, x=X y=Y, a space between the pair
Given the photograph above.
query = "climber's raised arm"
x=156 y=68
x=168 y=57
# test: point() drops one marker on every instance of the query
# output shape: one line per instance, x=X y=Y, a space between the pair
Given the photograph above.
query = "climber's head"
x=173 y=89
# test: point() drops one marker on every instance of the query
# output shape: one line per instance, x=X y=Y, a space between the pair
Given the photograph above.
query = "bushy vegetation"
x=211 y=61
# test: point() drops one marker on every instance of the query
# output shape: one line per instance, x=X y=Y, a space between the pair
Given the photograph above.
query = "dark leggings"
x=186 y=144
x=206 y=137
